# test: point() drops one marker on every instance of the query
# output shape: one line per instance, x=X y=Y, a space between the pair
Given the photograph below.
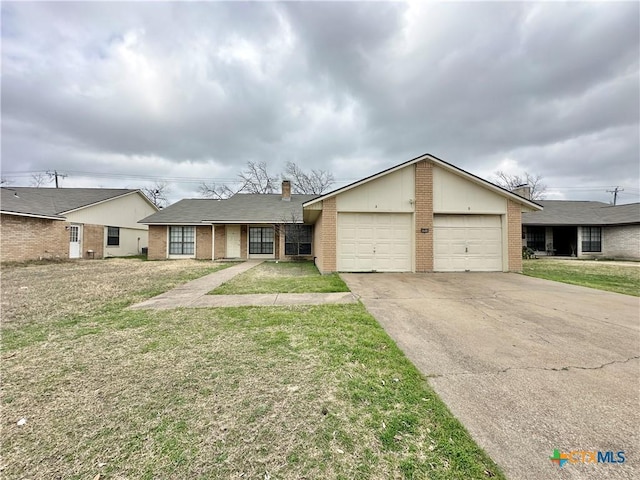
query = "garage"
x=467 y=243
x=374 y=242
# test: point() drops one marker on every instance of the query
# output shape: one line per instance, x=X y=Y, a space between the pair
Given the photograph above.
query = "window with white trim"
x=182 y=240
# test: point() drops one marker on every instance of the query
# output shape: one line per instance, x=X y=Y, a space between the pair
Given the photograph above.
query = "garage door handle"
x=466 y=250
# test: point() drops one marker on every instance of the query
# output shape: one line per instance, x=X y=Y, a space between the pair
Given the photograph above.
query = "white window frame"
x=195 y=241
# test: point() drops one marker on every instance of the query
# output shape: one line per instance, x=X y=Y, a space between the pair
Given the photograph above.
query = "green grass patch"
x=603 y=276
x=282 y=277
x=283 y=392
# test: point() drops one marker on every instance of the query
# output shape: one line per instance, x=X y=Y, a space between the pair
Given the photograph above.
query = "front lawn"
x=601 y=275
x=282 y=277
x=263 y=392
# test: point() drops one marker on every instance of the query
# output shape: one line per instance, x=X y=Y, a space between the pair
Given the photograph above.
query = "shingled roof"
x=575 y=213
x=240 y=208
x=54 y=202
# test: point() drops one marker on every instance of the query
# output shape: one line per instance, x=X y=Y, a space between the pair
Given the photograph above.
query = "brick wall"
x=157 y=242
x=279 y=239
x=329 y=238
x=317 y=244
x=514 y=236
x=25 y=238
x=424 y=216
x=621 y=242
x=93 y=238
x=203 y=242
x=220 y=242
x=243 y=241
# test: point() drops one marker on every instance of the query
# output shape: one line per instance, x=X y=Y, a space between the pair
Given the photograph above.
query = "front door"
x=233 y=241
x=74 y=241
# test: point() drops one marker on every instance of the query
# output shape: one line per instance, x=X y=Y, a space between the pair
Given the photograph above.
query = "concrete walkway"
x=194 y=294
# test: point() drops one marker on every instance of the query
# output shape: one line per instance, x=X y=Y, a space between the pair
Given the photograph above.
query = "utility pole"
x=615 y=193
x=55 y=175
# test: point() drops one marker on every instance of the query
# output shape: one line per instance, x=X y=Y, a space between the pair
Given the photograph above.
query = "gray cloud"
x=197 y=89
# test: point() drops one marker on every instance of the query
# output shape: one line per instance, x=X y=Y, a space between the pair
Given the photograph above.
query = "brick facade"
x=219 y=243
x=424 y=216
x=92 y=238
x=329 y=235
x=514 y=236
x=243 y=241
x=621 y=242
x=203 y=242
x=157 y=242
x=27 y=238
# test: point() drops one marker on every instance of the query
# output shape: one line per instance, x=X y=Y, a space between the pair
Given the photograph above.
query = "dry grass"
x=55 y=290
x=304 y=392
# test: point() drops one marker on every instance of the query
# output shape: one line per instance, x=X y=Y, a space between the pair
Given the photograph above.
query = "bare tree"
x=256 y=179
x=214 y=190
x=39 y=179
x=313 y=182
x=534 y=182
x=157 y=193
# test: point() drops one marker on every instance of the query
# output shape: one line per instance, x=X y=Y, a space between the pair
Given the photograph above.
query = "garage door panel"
x=467 y=243
x=374 y=242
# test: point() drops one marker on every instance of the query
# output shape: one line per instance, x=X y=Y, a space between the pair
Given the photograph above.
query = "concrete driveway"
x=527 y=365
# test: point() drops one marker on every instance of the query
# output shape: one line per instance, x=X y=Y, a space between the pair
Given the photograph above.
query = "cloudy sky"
x=126 y=94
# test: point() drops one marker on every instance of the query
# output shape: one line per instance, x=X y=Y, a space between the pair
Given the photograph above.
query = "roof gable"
x=441 y=163
x=56 y=202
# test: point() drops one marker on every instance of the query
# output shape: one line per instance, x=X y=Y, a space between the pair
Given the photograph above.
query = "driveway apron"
x=528 y=365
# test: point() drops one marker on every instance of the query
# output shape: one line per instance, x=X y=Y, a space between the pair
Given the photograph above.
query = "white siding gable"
x=454 y=194
x=393 y=192
x=120 y=212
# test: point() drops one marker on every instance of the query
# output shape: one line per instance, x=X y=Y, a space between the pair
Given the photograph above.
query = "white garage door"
x=467 y=243
x=374 y=242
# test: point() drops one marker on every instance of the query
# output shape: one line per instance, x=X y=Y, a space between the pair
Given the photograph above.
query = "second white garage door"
x=374 y=242
x=467 y=243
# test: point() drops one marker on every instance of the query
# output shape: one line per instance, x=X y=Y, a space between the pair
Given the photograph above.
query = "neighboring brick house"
x=420 y=216
x=583 y=229
x=38 y=223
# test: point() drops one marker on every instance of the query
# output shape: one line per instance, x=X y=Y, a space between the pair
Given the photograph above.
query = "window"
x=297 y=240
x=591 y=239
x=74 y=234
x=261 y=240
x=181 y=240
x=536 y=238
x=113 y=236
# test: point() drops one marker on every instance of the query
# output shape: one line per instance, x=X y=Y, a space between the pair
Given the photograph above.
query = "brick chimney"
x=286 y=190
x=523 y=190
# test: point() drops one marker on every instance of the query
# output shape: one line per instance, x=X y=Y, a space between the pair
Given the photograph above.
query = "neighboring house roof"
x=440 y=163
x=240 y=208
x=54 y=203
x=574 y=213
